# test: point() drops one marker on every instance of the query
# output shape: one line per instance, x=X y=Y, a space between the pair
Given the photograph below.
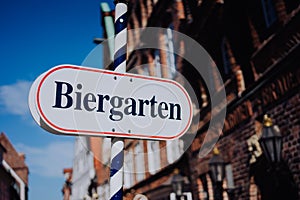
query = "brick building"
x=13 y=172
x=255 y=45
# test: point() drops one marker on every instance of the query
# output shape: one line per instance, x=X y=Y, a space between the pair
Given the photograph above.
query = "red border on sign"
x=113 y=134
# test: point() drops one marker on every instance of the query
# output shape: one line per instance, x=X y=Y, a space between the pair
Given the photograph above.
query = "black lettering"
x=96 y=102
x=87 y=100
x=162 y=107
x=78 y=98
x=153 y=102
x=100 y=102
x=131 y=108
x=141 y=108
x=116 y=102
x=59 y=93
x=178 y=108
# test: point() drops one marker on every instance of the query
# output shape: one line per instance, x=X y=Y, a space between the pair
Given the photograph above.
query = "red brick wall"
x=287 y=117
x=234 y=148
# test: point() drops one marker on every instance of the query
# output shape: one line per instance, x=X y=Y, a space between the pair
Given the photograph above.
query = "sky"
x=36 y=36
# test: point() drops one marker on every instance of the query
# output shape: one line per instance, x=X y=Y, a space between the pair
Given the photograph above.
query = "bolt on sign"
x=76 y=100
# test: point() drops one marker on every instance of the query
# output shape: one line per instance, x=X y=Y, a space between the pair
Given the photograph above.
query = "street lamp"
x=177 y=184
x=271 y=141
x=217 y=168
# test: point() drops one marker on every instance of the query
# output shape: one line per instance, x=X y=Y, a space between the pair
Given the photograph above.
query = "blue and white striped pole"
x=117 y=148
x=116 y=169
x=120 y=36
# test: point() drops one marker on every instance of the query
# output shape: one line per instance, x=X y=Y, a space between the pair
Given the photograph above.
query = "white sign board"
x=86 y=101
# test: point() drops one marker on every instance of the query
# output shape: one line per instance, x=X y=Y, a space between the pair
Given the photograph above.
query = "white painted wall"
x=83 y=169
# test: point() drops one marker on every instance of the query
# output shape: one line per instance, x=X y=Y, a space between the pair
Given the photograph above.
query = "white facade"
x=139 y=161
x=174 y=150
x=128 y=166
x=83 y=169
x=103 y=191
x=153 y=156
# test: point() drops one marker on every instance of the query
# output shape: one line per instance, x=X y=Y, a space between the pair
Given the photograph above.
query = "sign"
x=185 y=196
x=78 y=100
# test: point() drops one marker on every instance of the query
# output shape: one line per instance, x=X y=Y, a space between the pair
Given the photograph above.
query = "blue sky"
x=36 y=36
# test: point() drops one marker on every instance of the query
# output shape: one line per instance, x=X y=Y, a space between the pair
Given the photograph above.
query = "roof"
x=14 y=159
x=67 y=170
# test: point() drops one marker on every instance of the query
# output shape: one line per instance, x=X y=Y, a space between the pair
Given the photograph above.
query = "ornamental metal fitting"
x=216 y=151
x=267 y=121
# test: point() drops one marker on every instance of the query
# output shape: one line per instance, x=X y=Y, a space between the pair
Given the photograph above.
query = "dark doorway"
x=274 y=184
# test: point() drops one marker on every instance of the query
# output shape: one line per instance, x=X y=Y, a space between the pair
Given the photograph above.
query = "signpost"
x=117 y=146
x=76 y=100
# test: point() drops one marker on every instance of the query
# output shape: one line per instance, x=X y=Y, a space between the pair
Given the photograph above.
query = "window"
x=157 y=63
x=225 y=57
x=174 y=150
x=205 y=185
x=128 y=169
x=139 y=161
x=229 y=176
x=164 y=58
x=153 y=156
x=264 y=17
x=269 y=12
x=187 y=9
x=170 y=53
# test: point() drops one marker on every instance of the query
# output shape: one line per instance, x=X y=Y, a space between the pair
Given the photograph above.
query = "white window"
x=229 y=176
x=174 y=150
x=128 y=169
x=157 y=63
x=169 y=51
x=153 y=156
x=139 y=161
x=170 y=54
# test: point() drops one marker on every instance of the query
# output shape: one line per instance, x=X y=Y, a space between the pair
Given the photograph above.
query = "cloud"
x=50 y=160
x=13 y=98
